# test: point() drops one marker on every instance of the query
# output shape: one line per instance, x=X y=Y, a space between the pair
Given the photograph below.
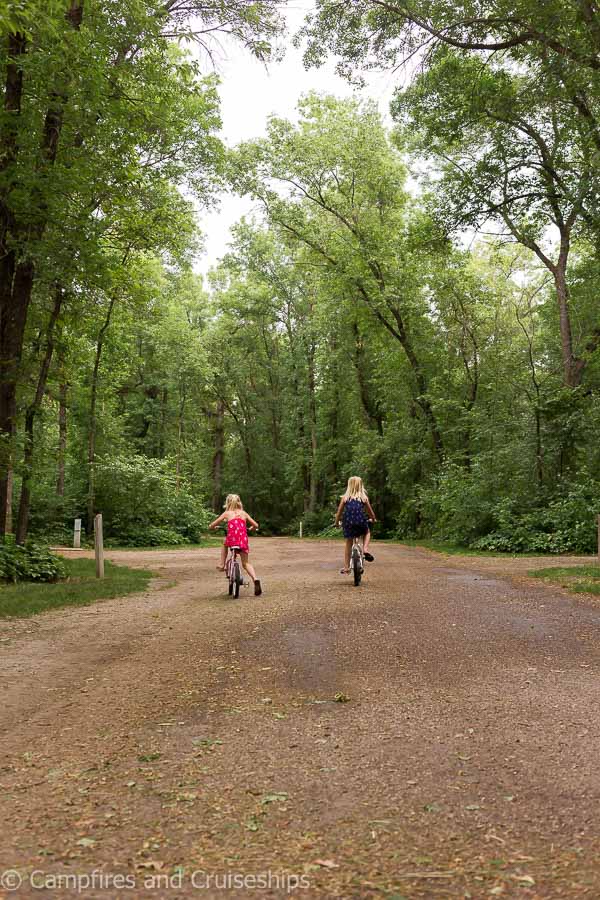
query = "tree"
x=95 y=109
x=345 y=202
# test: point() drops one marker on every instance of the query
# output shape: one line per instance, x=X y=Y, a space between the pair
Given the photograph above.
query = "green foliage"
x=80 y=588
x=142 y=504
x=459 y=507
x=347 y=331
x=564 y=524
x=29 y=562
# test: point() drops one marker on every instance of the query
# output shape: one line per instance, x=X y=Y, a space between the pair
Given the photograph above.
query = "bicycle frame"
x=357 y=560
x=233 y=570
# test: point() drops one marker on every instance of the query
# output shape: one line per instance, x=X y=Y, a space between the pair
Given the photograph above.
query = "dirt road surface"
x=173 y=743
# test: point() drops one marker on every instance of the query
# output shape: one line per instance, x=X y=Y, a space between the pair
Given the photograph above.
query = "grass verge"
x=578 y=579
x=79 y=589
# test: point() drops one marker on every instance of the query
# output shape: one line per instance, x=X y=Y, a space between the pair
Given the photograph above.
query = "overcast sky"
x=250 y=93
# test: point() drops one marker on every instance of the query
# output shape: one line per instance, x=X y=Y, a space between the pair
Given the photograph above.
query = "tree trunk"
x=17 y=276
x=62 y=437
x=571 y=373
x=180 y=437
x=30 y=416
x=399 y=331
x=91 y=494
x=218 y=455
x=312 y=407
x=8 y=524
x=539 y=453
x=374 y=417
x=162 y=443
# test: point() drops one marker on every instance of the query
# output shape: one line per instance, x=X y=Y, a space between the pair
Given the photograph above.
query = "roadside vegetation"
x=578 y=579
x=79 y=587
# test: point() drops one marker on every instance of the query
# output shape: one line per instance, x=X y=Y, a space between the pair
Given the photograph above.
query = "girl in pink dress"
x=237 y=535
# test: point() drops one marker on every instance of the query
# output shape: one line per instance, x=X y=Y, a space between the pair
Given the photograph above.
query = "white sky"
x=250 y=92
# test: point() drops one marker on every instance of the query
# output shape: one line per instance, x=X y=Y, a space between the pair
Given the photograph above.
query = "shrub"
x=142 y=504
x=29 y=562
x=462 y=507
x=148 y=536
x=563 y=524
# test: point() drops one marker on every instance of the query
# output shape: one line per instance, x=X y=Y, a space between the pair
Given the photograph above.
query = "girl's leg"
x=250 y=570
x=347 y=552
x=248 y=565
x=367 y=540
x=221 y=567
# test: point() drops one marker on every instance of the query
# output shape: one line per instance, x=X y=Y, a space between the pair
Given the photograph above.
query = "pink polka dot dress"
x=237 y=535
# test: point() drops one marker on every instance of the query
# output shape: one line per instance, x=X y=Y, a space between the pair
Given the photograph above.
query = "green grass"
x=578 y=579
x=80 y=589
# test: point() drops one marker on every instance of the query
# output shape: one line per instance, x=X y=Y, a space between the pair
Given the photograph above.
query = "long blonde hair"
x=232 y=501
x=355 y=490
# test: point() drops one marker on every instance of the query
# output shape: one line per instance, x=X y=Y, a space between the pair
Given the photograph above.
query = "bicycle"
x=357 y=560
x=357 y=557
x=233 y=571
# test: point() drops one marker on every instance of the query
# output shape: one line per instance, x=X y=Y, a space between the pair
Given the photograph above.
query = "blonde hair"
x=355 y=490
x=232 y=501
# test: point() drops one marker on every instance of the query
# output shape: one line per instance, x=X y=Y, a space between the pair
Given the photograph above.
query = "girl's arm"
x=340 y=510
x=218 y=520
x=252 y=522
x=370 y=510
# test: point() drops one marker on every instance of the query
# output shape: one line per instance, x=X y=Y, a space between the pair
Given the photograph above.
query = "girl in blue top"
x=355 y=511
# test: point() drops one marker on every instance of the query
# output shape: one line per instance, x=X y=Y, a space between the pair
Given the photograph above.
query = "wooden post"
x=77 y=534
x=300 y=527
x=99 y=546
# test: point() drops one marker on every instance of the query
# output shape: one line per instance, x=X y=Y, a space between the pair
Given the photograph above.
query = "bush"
x=29 y=562
x=455 y=506
x=142 y=505
x=564 y=524
x=464 y=508
x=148 y=536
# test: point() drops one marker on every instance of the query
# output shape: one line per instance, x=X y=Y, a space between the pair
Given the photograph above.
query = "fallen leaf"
x=273 y=798
x=326 y=863
x=86 y=842
x=524 y=879
x=154 y=864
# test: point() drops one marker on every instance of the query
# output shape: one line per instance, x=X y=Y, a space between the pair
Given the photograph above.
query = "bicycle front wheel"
x=356 y=566
x=237 y=580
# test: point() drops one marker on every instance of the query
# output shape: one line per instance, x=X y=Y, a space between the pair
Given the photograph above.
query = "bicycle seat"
x=235 y=548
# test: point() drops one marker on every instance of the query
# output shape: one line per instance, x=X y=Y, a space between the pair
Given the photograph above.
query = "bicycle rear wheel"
x=237 y=580
x=356 y=566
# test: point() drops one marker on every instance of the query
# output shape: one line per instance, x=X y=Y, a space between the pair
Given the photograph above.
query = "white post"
x=77 y=535
x=99 y=546
x=300 y=527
